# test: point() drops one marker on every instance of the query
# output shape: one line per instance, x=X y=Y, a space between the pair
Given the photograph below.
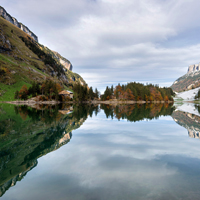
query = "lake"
x=100 y=152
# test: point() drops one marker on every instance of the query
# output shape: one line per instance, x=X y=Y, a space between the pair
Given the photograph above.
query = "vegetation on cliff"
x=187 y=82
x=46 y=58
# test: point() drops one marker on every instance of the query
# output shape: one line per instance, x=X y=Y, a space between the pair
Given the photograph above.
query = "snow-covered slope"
x=187 y=95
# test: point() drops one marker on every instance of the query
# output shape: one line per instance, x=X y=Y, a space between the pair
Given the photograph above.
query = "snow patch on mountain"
x=187 y=95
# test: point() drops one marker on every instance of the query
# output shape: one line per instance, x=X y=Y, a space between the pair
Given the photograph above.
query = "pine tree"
x=91 y=93
x=16 y=95
x=96 y=93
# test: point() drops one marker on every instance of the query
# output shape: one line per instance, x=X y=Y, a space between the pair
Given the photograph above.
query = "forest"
x=83 y=93
x=138 y=92
x=48 y=90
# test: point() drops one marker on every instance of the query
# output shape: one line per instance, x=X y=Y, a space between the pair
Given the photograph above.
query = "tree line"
x=138 y=92
x=48 y=90
x=83 y=93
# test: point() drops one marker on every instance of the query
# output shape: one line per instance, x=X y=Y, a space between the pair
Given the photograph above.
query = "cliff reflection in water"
x=29 y=133
x=189 y=121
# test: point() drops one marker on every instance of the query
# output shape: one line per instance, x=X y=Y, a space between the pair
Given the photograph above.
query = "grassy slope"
x=17 y=62
x=22 y=64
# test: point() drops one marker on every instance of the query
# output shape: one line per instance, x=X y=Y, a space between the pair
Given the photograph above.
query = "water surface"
x=99 y=152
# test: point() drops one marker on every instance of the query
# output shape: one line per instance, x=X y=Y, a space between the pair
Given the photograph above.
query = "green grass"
x=10 y=90
x=67 y=88
x=5 y=59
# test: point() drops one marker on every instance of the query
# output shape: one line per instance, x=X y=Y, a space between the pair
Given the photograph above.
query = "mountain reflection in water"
x=27 y=134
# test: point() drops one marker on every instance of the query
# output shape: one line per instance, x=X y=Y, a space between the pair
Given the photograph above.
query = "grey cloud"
x=121 y=41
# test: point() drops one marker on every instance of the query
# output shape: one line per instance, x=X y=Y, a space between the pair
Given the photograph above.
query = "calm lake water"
x=100 y=153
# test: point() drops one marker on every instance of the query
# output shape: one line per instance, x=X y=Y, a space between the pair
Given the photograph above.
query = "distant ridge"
x=14 y=21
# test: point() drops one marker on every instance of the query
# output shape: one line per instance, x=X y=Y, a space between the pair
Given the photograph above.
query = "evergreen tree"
x=16 y=95
x=96 y=93
x=112 y=90
x=91 y=93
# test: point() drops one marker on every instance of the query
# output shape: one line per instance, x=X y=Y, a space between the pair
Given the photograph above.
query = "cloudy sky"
x=117 y=41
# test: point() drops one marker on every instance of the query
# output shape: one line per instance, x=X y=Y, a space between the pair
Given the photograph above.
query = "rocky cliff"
x=60 y=59
x=14 y=21
x=63 y=61
x=190 y=80
x=193 y=68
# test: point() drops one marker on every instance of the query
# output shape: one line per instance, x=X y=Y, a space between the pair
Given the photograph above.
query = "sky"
x=117 y=41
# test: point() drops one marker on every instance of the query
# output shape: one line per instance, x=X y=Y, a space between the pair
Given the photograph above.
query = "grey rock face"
x=66 y=64
x=5 y=44
x=63 y=61
x=14 y=21
x=193 y=68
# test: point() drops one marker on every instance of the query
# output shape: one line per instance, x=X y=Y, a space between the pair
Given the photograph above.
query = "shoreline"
x=31 y=102
x=107 y=102
x=116 y=102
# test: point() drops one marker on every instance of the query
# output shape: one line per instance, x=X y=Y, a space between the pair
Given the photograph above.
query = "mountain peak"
x=193 y=68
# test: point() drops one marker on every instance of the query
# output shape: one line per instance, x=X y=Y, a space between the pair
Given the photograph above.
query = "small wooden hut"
x=66 y=93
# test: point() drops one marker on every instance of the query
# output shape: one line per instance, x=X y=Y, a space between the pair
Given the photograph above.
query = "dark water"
x=99 y=152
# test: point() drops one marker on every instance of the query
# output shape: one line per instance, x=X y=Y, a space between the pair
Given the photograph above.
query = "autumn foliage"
x=138 y=92
x=48 y=90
